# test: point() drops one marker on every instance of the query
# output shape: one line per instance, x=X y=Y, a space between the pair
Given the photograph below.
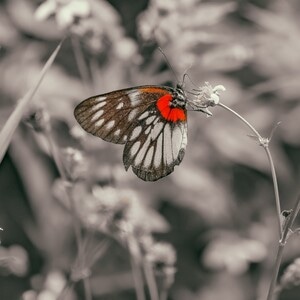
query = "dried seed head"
x=208 y=95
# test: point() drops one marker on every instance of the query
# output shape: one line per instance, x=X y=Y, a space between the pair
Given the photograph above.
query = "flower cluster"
x=110 y=210
x=13 y=260
x=232 y=253
x=206 y=96
x=75 y=164
x=49 y=288
x=95 y=22
x=190 y=22
x=162 y=258
x=291 y=276
x=66 y=12
x=39 y=119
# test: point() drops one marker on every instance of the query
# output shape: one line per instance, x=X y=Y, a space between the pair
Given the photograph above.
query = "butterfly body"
x=150 y=120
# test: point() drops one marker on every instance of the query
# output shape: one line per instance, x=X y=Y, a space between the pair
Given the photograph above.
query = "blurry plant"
x=278 y=35
x=195 y=24
x=276 y=58
x=38 y=119
x=13 y=121
x=13 y=260
x=233 y=253
x=66 y=13
x=49 y=288
x=97 y=26
x=71 y=166
x=291 y=276
x=197 y=37
x=120 y=214
x=75 y=164
x=161 y=257
x=285 y=219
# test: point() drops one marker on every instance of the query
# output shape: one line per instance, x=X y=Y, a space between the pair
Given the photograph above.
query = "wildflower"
x=75 y=163
x=91 y=252
x=95 y=22
x=233 y=254
x=29 y=295
x=38 y=119
x=14 y=260
x=55 y=282
x=208 y=95
x=190 y=20
x=162 y=257
x=66 y=12
x=125 y=49
x=50 y=289
x=291 y=276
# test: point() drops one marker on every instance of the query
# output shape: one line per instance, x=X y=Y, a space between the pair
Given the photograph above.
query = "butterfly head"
x=179 y=97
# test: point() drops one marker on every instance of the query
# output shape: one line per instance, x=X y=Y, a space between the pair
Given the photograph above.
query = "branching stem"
x=265 y=144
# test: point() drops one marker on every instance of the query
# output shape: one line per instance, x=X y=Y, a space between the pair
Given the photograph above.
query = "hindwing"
x=155 y=146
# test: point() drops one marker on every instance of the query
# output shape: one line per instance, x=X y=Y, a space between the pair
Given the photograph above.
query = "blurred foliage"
x=217 y=209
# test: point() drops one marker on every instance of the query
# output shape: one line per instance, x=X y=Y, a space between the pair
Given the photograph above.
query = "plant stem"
x=264 y=143
x=285 y=234
x=242 y=119
x=135 y=258
x=137 y=278
x=75 y=222
x=150 y=278
x=14 y=119
x=61 y=170
x=65 y=291
x=275 y=187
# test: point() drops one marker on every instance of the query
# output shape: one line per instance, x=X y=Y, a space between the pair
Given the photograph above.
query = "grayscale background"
x=75 y=224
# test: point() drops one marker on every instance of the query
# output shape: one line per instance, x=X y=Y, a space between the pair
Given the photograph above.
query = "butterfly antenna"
x=168 y=63
x=189 y=77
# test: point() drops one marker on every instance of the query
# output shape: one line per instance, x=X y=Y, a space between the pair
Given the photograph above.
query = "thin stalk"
x=150 y=278
x=65 y=291
x=75 y=223
x=16 y=116
x=61 y=170
x=137 y=278
x=267 y=150
x=282 y=243
x=135 y=258
x=87 y=289
x=275 y=187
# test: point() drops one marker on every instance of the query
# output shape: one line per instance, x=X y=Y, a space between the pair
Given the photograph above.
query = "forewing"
x=112 y=116
x=155 y=146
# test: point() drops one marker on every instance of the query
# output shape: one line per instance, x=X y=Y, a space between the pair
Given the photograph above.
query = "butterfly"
x=150 y=120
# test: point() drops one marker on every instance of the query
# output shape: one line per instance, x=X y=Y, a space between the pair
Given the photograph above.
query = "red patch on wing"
x=170 y=114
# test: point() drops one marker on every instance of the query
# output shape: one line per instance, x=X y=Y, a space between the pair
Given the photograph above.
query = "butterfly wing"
x=112 y=116
x=155 y=136
x=155 y=146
